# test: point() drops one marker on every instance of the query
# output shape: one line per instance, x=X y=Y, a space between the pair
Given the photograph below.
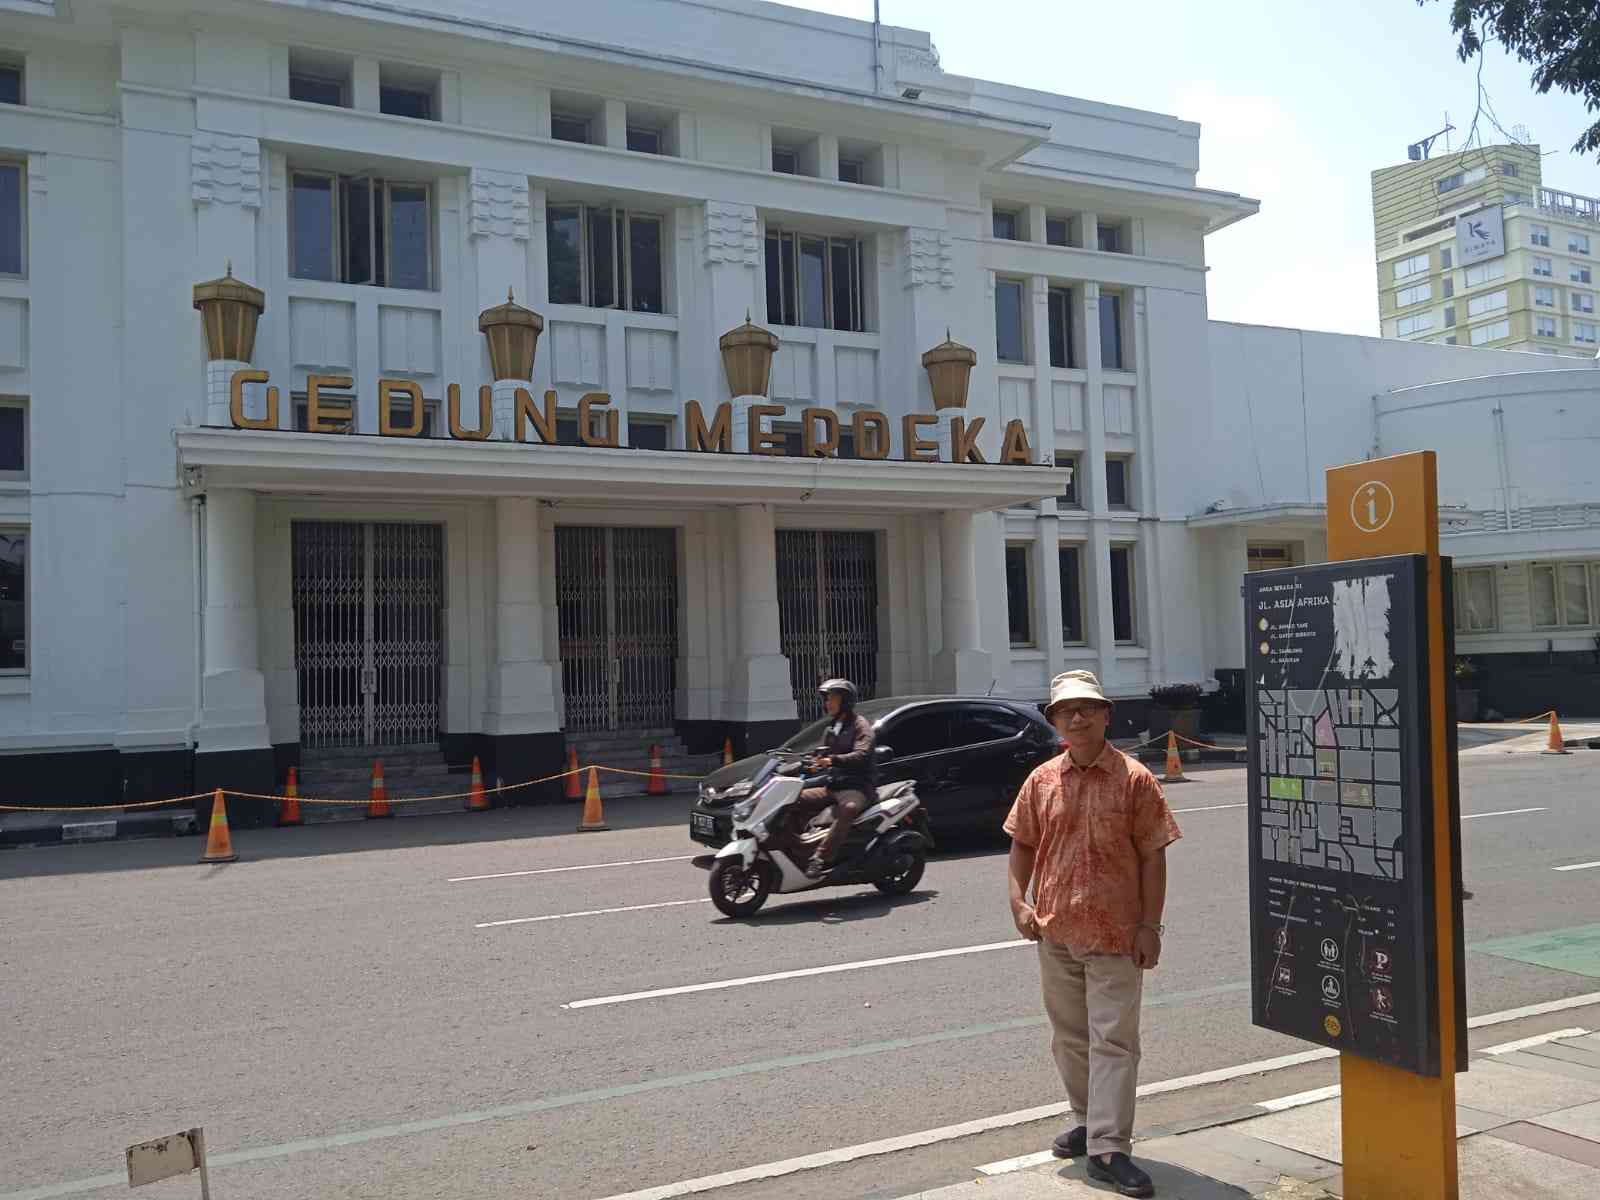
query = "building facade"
x=469 y=384
x=1473 y=250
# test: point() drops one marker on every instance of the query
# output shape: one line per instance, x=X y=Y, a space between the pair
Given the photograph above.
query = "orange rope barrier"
x=103 y=807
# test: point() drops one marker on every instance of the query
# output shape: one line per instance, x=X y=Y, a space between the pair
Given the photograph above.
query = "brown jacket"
x=849 y=742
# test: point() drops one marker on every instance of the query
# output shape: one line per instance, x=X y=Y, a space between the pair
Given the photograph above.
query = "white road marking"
x=633 y=862
x=1516 y=1014
x=1538 y=1039
x=831 y=969
x=590 y=912
x=1504 y=812
x=1300 y=1098
x=1210 y=808
x=1021 y=1163
x=1578 y=867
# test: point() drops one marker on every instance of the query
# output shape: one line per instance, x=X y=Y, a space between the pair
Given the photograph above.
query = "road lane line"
x=1021 y=1163
x=633 y=862
x=1298 y=1099
x=1578 y=867
x=1538 y=1039
x=589 y=912
x=804 y=972
x=1504 y=812
x=1210 y=808
x=1515 y=1014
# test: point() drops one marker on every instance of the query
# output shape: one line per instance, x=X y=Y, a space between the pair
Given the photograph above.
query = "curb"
x=128 y=826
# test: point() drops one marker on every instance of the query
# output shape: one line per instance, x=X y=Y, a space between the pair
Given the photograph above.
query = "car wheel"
x=738 y=891
x=904 y=880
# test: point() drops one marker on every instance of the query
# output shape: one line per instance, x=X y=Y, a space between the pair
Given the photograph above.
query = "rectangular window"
x=816 y=282
x=13 y=601
x=13 y=439
x=1484 y=334
x=604 y=258
x=785 y=160
x=649 y=433
x=1110 y=238
x=1067 y=461
x=1451 y=340
x=1561 y=595
x=1119 y=489
x=10 y=84
x=406 y=102
x=1019 y=596
x=1448 y=287
x=1006 y=224
x=1060 y=316
x=1581 y=301
x=1508 y=169
x=1544 y=297
x=318 y=89
x=1417 y=264
x=355 y=229
x=1449 y=315
x=1539 y=235
x=1055 y=231
x=1123 y=628
x=644 y=141
x=1583 y=331
x=852 y=170
x=1406 y=326
x=1577 y=243
x=13 y=219
x=1579 y=273
x=1446 y=258
x=1265 y=556
x=1487 y=303
x=1010 y=343
x=1543 y=267
x=1544 y=327
x=1486 y=272
x=1111 y=332
x=1475 y=600
x=1069 y=560
x=1416 y=294
x=565 y=127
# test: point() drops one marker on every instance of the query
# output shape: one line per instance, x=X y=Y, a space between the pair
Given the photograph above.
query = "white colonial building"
x=367 y=522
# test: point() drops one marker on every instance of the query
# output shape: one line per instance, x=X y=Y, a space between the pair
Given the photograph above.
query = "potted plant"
x=1175 y=707
x=1466 y=690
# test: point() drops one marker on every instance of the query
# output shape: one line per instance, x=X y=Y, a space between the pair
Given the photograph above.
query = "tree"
x=1560 y=38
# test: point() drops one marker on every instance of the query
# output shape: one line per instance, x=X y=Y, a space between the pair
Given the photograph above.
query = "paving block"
x=1247 y=1164
x=1513 y=1091
x=88 y=831
x=1311 y=1129
x=1581 y=1121
x=1493 y=1169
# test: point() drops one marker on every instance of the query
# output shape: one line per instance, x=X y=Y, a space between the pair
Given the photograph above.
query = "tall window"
x=1562 y=594
x=1539 y=235
x=1067 y=461
x=852 y=170
x=318 y=89
x=1579 y=273
x=1061 y=347
x=786 y=160
x=1544 y=297
x=1542 y=266
x=13 y=600
x=1019 y=596
x=13 y=218
x=1449 y=315
x=815 y=281
x=1544 y=327
x=1416 y=294
x=1123 y=628
x=604 y=257
x=10 y=84
x=1111 y=332
x=649 y=433
x=1119 y=487
x=1475 y=600
x=1417 y=264
x=1011 y=344
x=1581 y=301
x=1109 y=239
x=570 y=127
x=1055 y=231
x=1006 y=224
x=1446 y=258
x=412 y=102
x=644 y=141
x=1583 y=331
x=13 y=439
x=1577 y=243
x=1069 y=561
x=360 y=229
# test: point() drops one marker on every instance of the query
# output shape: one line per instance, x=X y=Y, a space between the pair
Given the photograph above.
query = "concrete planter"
x=1182 y=721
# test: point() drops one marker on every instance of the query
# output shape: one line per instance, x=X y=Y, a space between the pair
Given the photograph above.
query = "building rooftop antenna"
x=1418 y=151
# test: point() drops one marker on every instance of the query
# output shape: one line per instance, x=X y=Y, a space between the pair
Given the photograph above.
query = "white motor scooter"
x=888 y=844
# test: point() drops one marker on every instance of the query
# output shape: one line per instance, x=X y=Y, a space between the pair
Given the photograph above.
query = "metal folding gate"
x=828 y=611
x=617 y=592
x=368 y=632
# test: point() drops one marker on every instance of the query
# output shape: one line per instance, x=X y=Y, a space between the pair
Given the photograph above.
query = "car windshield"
x=808 y=738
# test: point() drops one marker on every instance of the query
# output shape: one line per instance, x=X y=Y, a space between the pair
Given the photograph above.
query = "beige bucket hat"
x=1074 y=685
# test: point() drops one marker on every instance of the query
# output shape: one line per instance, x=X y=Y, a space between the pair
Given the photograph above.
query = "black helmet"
x=843 y=686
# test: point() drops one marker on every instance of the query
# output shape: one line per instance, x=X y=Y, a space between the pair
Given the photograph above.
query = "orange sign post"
x=1399 y=1128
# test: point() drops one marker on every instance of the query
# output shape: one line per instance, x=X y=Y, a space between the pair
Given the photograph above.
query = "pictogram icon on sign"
x=1330 y=950
x=1330 y=987
x=1372 y=507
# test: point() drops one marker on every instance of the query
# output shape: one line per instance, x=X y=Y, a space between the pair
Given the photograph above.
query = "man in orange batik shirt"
x=1089 y=830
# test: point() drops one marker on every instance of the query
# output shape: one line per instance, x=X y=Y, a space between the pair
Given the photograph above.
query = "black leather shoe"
x=1074 y=1143
x=1118 y=1170
x=816 y=869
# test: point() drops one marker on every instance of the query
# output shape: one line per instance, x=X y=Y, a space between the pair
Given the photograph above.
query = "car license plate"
x=703 y=823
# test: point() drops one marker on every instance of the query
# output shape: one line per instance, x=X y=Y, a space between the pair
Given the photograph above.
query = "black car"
x=967 y=756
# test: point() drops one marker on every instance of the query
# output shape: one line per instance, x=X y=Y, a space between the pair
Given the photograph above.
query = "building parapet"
x=1519 y=520
x=1569 y=205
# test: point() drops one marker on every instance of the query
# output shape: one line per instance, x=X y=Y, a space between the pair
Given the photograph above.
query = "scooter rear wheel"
x=905 y=880
x=738 y=891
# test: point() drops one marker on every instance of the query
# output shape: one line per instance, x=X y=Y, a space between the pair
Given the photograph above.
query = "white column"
x=759 y=688
x=521 y=687
x=962 y=665
x=233 y=712
x=1048 y=602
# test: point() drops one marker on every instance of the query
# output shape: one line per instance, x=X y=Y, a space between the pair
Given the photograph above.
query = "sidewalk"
x=1527 y=1115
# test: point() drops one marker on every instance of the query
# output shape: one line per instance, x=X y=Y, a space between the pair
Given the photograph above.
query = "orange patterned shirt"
x=1089 y=827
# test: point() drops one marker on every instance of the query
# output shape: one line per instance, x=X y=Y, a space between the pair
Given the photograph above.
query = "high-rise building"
x=1473 y=250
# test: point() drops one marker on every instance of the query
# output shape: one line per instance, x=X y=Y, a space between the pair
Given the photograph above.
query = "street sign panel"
x=1341 y=807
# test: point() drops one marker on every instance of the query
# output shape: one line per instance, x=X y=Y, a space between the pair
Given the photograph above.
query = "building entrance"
x=368 y=632
x=828 y=611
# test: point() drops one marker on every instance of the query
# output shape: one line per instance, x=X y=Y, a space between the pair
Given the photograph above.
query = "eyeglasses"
x=1087 y=708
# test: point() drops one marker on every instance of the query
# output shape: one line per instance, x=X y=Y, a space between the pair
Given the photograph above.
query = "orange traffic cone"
x=219 y=844
x=658 y=782
x=574 y=788
x=289 y=807
x=594 y=816
x=378 y=801
x=727 y=752
x=1555 y=744
x=476 y=800
x=1174 y=763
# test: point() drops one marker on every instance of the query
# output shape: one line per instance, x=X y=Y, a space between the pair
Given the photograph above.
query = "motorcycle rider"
x=845 y=752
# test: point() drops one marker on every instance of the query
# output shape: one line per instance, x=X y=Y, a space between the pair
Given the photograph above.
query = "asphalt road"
x=334 y=1012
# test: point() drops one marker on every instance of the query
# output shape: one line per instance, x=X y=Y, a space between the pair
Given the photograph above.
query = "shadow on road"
x=842 y=907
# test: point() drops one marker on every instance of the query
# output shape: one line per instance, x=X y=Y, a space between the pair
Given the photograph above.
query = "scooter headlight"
x=743 y=809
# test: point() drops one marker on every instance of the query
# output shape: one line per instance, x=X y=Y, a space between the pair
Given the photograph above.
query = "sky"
x=1298 y=104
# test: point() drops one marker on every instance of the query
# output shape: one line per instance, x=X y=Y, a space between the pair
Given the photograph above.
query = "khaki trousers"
x=1092 y=1001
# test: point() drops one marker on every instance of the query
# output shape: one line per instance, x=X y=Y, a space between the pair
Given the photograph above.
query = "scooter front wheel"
x=905 y=879
x=737 y=890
